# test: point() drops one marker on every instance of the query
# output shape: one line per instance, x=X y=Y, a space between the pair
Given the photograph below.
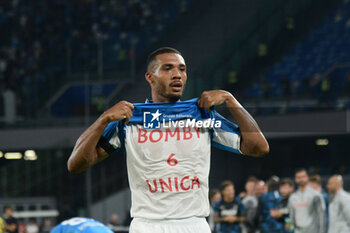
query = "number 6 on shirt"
x=171 y=160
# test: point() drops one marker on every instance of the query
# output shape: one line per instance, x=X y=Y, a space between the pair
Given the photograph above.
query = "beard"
x=164 y=91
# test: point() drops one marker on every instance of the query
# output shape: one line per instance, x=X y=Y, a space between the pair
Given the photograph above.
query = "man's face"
x=215 y=198
x=229 y=192
x=332 y=185
x=260 y=188
x=250 y=187
x=8 y=212
x=301 y=178
x=286 y=190
x=315 y=186
x=168 y=76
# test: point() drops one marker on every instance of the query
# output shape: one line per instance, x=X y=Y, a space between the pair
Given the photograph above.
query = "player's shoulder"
x=293 y=196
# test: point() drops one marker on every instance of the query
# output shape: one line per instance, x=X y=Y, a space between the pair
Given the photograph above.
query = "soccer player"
x=11 y=223
x=167 y=144
x=214 y=197
x=81 y=225
x=250 y=202
x=306 y=206
x=229 y=211
x=315 y=182
x=286 y=188
x=269 y=202
x=339 y=207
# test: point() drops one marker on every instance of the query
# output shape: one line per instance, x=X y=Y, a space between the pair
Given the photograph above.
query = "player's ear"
x=149 y=77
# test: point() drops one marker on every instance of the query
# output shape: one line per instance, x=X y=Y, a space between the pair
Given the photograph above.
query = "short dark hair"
x=316 y=179
x=287 y=181
x=225 y=184
x=300 y=170
x=152 y=56
x=252 y=179
x=213 y=192
x=273 y=183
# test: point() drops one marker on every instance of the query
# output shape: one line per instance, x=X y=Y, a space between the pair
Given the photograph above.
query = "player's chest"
x=167 y=144
x=228 y=209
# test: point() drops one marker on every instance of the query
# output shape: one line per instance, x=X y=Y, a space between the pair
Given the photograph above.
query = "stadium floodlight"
x=30 y=155
x=1 y=154
x=13 y=155
x=322 y=142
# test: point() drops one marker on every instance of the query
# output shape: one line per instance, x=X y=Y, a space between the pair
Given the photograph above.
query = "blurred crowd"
x=10 y=224
x=305 y=204
x=281 y=206
x=46 y=39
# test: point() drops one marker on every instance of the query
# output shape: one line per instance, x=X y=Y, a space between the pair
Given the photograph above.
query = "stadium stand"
x=47 y=42
x=300 y=72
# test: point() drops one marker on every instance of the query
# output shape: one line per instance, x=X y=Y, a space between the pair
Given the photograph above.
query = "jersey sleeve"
x=111 y=139
x=242 y=209
x=227 y=136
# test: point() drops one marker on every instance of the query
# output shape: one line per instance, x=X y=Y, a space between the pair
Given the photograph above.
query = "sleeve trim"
x=104 y=144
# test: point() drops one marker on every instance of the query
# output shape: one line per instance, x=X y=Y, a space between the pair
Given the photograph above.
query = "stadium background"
x=63 y=62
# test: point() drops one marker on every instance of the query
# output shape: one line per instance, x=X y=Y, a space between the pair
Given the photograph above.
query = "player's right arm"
x=86 y=153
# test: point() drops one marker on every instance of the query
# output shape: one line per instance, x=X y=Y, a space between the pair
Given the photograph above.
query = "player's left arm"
x=253 y=141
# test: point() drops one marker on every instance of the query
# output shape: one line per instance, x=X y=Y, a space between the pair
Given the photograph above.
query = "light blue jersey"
x=81 y=225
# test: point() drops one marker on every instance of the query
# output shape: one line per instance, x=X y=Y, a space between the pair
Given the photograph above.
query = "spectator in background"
x=265 y=87
x=229 y=212
x=32 y=226
x=11 y=225
x=47 y=226
x=286 y=188
x=286 y=87
x=339 y=208
x=9 y=99
x=250 y=202
x=261 y=188
x=21 y=227
x=325 y=89
x=268 y=203
x=114 y=222
x=315 y=182
x=306 y=206
x=214 y=197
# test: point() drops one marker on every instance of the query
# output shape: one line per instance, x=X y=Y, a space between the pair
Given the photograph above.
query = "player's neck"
x=228 y=199
x=156 y=98
x=302 y=188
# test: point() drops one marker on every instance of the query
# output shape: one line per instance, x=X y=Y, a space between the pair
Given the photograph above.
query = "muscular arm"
x=253 y=141
x=229 y=218
x=86 y=153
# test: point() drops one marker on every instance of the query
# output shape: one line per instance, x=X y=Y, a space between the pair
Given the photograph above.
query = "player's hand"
x=120 y=111
x=231 y=218
x=276 y=213
x=212 y=98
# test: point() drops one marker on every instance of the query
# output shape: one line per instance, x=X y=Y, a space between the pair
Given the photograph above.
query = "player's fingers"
x=207 y=106
x=199 y=103
x=130 y=105
x=128 y=115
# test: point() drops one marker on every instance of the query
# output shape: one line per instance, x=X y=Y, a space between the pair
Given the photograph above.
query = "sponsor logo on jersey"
x=157 y=135
x=152 y=120
x=173 y=184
